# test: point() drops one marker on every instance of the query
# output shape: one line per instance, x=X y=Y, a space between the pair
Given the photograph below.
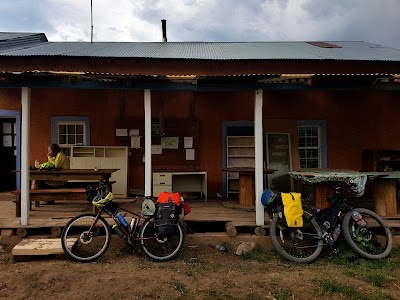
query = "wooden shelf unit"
x=381 y=160
x=240 y=153
x=104 y=157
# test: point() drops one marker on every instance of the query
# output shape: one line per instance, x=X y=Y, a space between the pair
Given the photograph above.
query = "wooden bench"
x=49 y=195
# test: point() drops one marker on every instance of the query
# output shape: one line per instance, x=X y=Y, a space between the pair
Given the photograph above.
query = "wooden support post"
x=230 y=229
x=385 y=198
x=246 y=189
x=259 y=231
x=22 y=232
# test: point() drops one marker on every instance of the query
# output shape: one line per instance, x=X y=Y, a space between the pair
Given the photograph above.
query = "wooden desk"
x=187 y=181
x=247 y=191
x=72 y=174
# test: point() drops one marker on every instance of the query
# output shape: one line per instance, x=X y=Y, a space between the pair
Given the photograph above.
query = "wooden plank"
x=40 y=246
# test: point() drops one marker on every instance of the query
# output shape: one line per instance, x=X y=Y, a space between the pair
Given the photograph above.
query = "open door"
x=279 y=157
x=8 y=154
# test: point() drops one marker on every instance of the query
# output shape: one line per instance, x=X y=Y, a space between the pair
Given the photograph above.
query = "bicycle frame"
x=131 y=235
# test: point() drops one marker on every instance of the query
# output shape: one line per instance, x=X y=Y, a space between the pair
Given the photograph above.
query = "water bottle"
x=133 y=223
x=118 y=230
x=359 y=219
x=122 y=220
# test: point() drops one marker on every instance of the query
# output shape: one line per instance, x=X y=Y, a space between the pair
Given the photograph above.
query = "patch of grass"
x=376 y=278
x=282 y=294
x=328 y=286
x=218 y=295
x=180 y=287
x=259 y=255
x=331 y=286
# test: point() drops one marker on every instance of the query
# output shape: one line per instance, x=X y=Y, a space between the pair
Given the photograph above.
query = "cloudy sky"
x=374 y=21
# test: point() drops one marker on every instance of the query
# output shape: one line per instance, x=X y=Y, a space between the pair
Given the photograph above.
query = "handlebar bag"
x=166 y=220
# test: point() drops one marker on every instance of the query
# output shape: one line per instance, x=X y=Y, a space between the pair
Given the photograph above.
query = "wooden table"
x=72 y=174
x=247 y=191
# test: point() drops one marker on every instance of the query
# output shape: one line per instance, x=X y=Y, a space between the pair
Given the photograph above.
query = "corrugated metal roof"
x=208 y=50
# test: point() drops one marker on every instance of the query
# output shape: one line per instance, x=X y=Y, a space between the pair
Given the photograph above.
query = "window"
x=70 y=131
x=309 y=146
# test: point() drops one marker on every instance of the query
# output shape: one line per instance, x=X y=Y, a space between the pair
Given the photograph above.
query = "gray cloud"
x=208 y=20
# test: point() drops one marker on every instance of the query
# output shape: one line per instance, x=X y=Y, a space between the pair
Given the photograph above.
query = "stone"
x=245 y=247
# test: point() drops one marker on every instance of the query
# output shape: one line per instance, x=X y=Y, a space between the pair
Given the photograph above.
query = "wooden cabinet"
x=87 y=157
x=381 y=160
x=240 y=153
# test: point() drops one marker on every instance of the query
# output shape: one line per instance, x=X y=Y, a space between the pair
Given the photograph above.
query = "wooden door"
x=279 y=157
x=8 y=154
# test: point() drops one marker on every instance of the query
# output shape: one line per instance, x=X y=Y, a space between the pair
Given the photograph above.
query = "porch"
x=206 y=216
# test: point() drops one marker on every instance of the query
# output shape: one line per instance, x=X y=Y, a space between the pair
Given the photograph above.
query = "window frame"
x=321 y=124
x=68 y=120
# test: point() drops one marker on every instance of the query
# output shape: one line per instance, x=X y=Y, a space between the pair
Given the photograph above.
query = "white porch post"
x=259 y=166
x=147 y=143
x=25 y=138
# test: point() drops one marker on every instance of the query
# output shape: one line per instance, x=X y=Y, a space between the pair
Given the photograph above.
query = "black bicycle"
x=87 y=237
x=363 y=230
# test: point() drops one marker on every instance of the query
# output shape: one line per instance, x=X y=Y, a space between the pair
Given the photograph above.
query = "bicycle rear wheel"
x=301 y=245
x=373 y=241
x=160 y=249
x=84 y=239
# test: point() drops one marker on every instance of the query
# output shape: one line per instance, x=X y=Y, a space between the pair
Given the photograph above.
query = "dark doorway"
x=8 y=154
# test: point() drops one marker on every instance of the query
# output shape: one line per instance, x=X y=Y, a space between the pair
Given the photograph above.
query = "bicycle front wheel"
x=301 y=245
x=84 y=239
x=372 y=241
x=160 y=249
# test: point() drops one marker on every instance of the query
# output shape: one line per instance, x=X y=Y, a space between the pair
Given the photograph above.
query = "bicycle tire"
x=74 y=238
x=160 y=249
x=367 y=241
x=287 y=248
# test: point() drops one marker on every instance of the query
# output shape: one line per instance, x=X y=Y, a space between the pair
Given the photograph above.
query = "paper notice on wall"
x=121 y=132
x=7 y=141
x=133 y=132
x=188 y=142
x=156 y=149
x=189 y=154
x=135 y=142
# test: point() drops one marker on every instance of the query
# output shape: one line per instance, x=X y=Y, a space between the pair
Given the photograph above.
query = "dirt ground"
x=200 y=272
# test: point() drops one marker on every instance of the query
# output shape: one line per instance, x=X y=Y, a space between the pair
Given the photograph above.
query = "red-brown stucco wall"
x=354 y=120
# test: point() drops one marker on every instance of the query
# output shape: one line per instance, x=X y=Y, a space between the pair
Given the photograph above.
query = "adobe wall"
x=355 y=121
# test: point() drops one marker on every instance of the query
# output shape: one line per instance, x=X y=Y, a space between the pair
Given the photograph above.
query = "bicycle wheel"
x=373 y=241
x=301 y=245
x=160 y=249
x=85 y=240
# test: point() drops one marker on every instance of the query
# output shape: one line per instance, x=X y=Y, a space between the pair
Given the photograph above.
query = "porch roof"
x=36 y=44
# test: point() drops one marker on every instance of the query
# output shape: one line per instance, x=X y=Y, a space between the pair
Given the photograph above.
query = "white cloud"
x=209 y=20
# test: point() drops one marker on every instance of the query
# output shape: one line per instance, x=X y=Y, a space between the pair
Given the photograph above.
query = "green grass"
x=375 y=272
x=331 y=286
x=259 y=255
x=283 y=294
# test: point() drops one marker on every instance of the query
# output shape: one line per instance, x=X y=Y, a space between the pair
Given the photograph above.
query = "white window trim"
x=322 y=139
x=55 y=121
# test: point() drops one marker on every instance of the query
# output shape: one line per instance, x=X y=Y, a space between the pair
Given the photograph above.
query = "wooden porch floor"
x=214 y=210
x=57 y=215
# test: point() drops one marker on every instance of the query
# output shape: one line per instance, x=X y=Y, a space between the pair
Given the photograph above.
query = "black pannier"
x=167 y=218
